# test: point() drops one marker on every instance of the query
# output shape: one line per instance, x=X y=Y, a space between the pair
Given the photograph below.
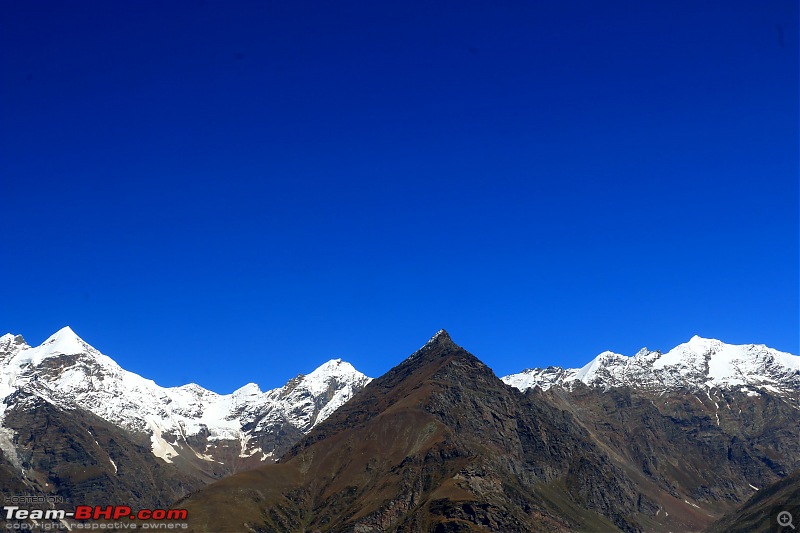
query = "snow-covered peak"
x=322 y=391
x=10 y=344
x=65 y=341
x=699 y=342
x=320 y=379
x=698 y=363
x=604 y=360
x=332 y=366
x=251 y=389
x=8 y=339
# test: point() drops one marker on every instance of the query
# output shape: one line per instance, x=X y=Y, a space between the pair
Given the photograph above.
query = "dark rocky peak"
x=441 y=337
x=421 y=365
x=440 y=355
x=438 y=345
x=407 y=384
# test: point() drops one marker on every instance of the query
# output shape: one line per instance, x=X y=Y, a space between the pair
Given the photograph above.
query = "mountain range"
x=438 y=443
x=187 y=435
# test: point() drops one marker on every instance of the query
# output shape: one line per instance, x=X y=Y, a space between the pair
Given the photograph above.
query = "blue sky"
x=224 y=192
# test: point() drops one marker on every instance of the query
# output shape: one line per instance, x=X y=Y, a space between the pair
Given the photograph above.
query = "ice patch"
x=7 y=445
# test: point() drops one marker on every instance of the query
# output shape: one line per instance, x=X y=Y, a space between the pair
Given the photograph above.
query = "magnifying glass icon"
x=785 y=519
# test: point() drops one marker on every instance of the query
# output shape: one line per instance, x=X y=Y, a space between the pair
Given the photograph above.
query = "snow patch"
x=160 y=447
x=206 y=457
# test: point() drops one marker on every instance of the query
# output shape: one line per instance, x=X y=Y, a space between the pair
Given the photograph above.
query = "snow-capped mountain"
x=187 y=421
x=699 y=363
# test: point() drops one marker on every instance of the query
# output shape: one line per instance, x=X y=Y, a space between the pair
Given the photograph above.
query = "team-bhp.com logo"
x=116 y=512
x=121 y=516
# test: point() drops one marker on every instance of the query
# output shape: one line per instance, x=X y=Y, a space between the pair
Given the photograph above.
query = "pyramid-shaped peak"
x=65 y=332
x=65 y=341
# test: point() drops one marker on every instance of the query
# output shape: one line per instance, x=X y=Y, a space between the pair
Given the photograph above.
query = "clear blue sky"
x=224 y=192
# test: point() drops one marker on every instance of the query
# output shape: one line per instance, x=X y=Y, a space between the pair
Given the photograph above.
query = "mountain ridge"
x=607 y=369
x=697 y=364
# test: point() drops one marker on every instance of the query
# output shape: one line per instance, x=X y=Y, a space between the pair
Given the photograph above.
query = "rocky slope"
x=81 y=458
x=761 y=513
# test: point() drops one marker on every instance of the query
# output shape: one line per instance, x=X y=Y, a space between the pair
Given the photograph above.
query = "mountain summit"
x=441 y=338
x=65 y=341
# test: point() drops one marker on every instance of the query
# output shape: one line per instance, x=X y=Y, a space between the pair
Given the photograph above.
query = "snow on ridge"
x=697 y=363
x=542 y=378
